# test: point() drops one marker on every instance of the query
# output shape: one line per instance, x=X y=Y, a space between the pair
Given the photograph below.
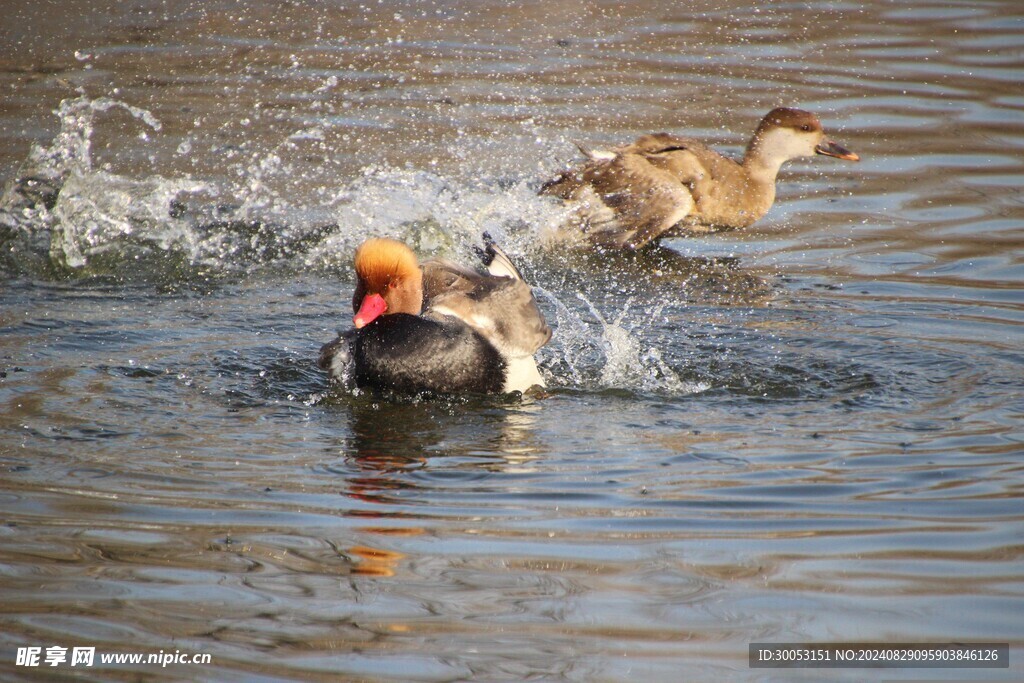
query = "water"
x=807 y=431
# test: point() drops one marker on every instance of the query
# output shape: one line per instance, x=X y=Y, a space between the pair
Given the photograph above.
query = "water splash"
x=628 y=364
x=98 y=213
x=58 y=199
x=591 y=351
x=432 y=213
x=62 y=215
x=70 y=150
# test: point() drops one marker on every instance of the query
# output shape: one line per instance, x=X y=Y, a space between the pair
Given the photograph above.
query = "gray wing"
x=501 y=308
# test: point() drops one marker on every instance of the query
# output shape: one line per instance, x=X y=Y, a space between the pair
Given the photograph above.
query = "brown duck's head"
x=388 y=280
x=787 y=133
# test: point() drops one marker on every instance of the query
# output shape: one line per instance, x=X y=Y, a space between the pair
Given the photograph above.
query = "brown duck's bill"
x=831 y=149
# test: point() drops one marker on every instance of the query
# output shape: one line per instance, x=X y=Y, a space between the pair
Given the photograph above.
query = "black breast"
x=410 y=354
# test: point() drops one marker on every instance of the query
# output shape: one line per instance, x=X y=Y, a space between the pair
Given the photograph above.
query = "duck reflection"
x=401 y=456
x=375 y=561
x=400 y=446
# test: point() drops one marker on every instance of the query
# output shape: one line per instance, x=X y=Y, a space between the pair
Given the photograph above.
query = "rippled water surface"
x=808 y=431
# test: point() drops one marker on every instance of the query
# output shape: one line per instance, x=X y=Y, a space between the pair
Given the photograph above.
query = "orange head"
x=389 y=280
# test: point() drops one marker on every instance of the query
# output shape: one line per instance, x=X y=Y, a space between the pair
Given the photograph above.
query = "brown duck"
x=662 y=185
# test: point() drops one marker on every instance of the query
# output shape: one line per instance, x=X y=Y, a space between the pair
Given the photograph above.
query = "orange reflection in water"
x=375 y=561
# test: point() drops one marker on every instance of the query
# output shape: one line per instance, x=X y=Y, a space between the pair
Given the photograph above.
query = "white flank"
x=522 y=374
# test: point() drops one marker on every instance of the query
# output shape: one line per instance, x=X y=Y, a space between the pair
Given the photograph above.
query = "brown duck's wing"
x=643 y=201
x=566 y=185
x=572 y=183
x=657 y=143
x=724 y=194
x=688 y=164
x=502 y=309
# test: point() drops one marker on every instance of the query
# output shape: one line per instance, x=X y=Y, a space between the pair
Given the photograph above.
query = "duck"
x=438 y=327
x=664 y=185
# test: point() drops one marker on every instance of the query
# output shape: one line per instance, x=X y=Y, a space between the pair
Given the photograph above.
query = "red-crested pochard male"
x=661 y=184
x=438 y=327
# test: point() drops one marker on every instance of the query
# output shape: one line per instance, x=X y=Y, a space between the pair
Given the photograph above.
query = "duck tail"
x=595 y=154
x=497 y=261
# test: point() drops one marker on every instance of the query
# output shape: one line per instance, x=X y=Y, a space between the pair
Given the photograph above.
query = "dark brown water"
x=809 y=431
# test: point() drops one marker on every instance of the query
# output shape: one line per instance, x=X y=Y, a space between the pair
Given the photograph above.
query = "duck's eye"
x=806 y=128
